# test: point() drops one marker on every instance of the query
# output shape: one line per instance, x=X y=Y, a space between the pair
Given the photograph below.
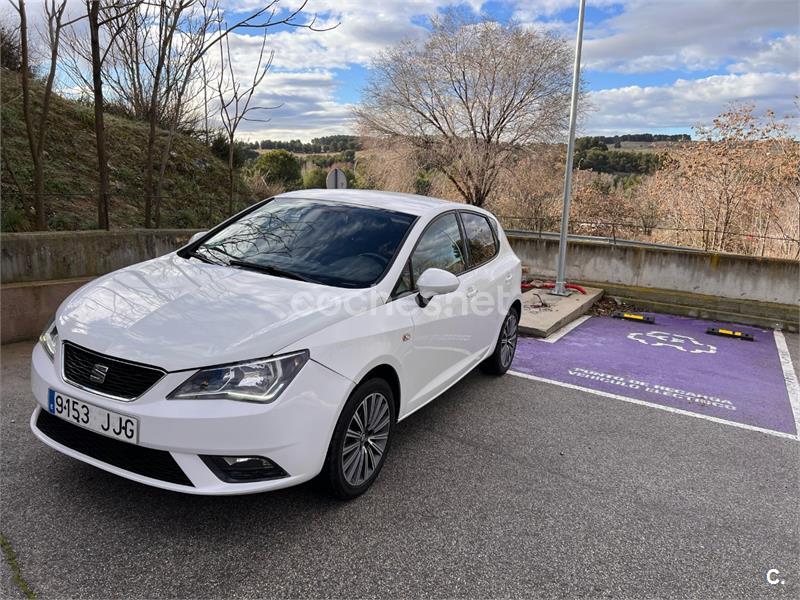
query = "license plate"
x=100 y=420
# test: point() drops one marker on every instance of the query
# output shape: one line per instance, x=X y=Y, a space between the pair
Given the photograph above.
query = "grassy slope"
x=196 y=181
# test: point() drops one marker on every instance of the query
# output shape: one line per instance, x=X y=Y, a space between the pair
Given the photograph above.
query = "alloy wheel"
x=508 y=340
x=366 y=439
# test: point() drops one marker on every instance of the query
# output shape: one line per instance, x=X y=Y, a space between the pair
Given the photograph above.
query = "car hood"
x=183 y=314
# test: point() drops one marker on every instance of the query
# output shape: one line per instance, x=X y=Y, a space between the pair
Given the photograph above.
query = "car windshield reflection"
x=312 y=240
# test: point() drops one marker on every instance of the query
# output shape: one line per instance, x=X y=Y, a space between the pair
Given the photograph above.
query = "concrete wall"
x=28 y=307
x=65 y=254
x=39 y=270
x=725 y=287
x=726 y=275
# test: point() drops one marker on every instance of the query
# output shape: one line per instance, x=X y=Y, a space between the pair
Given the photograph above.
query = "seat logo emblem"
x=99 y=373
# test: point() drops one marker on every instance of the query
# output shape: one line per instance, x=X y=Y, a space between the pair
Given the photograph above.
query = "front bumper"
x=294 y=431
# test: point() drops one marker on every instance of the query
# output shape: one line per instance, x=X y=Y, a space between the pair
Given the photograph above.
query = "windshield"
x=328 y=242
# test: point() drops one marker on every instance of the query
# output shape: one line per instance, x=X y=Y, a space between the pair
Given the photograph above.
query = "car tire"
x=502 y=357
x=361 y=440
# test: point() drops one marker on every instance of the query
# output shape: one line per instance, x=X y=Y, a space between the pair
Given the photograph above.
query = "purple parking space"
x=672 y=363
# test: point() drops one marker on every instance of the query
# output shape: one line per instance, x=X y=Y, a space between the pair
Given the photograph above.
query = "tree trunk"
x=38 y=194
x=162 y=168
x=165 y=45
x=148 y=169
x=230 y=176
x=205 y=102
x=99 y=125
x=478 y=196
x=40 y=219
x=159 y=185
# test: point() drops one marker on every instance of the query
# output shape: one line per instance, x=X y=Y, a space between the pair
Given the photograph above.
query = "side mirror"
x=196 y=236
x=435 y=282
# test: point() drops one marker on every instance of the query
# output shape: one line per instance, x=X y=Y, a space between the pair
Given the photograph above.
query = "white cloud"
x=782 y=54
x=305 y=107
x=532 y=10
x=363 y=30
x=304 y=61
x=654 y=35
x=752 y=43
x=741 y=39
x=687 y=102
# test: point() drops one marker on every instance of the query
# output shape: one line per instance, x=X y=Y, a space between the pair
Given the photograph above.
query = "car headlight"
x=49 y=338
x=260 y=380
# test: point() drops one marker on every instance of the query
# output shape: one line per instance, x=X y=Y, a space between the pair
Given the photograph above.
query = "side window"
x=480 y=238
x=439 y=247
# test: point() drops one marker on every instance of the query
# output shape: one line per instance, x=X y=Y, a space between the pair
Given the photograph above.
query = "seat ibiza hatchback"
x=284 y=344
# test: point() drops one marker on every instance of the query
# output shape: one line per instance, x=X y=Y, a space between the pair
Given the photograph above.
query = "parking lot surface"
x=503 y=487
x=674 y=363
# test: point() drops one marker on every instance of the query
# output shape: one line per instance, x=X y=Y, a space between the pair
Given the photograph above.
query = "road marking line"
x=792 y=387
x=554 y=337
x=677 y=411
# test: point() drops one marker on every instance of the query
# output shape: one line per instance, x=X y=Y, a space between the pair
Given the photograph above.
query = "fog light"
x=240 y=469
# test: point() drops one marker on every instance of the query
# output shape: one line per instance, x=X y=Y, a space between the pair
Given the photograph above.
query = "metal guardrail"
x=546 y=235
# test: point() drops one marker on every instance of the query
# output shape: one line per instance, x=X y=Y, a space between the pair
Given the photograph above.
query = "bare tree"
x=36 y=125
x=113 y=17
x=235 y=101
x=529 y=192
x=201 y=29
x=155 y=68
x=207 y=74
x=473 y=96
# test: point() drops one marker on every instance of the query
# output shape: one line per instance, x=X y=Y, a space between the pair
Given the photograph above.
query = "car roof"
x=411 y=204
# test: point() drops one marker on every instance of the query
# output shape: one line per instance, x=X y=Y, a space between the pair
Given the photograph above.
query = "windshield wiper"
x=270 y=270
x=198 y=256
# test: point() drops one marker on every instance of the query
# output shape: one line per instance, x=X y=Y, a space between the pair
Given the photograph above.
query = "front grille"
x=156 y=464
x=126 y=380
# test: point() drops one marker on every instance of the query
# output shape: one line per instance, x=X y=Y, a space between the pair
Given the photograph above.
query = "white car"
x=283 y=344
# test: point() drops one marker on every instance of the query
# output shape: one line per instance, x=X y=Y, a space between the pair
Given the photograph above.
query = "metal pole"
x=560 y=288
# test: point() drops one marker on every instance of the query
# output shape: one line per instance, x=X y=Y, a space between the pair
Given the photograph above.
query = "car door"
x=486 y=280
x=443 y=331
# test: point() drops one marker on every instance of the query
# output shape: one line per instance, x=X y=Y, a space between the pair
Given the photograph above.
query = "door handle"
x=509 y=277
x=471 y=291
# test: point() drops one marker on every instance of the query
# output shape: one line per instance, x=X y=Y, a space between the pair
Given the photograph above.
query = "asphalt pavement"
x=503 y=487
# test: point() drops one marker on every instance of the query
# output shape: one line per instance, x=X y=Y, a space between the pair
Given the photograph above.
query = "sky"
x=660 y=66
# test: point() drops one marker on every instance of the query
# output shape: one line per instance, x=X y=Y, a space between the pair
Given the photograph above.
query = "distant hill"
x=645 y=142
x=196 y=181
x=320 y=145
x=647 y=137
x=594 y=154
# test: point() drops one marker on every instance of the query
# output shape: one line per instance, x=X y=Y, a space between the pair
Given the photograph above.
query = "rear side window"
x=481 y=239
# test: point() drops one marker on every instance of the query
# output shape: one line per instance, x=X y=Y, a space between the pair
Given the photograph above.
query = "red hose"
x=573 y=286
x=549 y=285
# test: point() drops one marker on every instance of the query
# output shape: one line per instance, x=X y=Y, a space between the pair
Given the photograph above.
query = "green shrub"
x=13 y=218
x=241 y=151
x=279 y=166
x=184 y=218
x=422 y=184
x=314 y=178
x=68 y=221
